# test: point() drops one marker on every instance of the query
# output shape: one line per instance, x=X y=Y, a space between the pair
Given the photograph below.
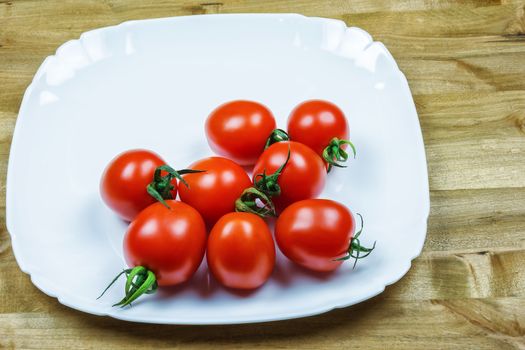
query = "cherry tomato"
x=213 y=193
x=315 y=123
x=239 y=129
x=318 y=234
x=241 y=252
x=321 y=124
x=169 y=242
x=303 y=176
x=124 y=182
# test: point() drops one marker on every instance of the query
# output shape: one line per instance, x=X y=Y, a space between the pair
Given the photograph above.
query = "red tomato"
x=213 y=193
x=241 y=252
x=239 y=129
x=303 y=177
x=315 y=123
x=315 y=232
x=124 y=182
x=169 y=242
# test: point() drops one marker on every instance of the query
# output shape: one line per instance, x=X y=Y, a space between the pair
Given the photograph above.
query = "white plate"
x=151 y=84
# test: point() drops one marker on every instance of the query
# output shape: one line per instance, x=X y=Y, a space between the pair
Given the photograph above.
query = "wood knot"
x=516 y=27
x=520 y=124
x=205 y=8
x=518 y=119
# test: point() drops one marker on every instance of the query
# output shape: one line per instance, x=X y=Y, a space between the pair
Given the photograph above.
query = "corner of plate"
x=354 y=43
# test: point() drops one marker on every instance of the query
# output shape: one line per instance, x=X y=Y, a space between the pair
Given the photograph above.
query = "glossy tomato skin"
x=303 y=177
x=241 y=251
x=170 y=242
x=316 y=122
x=213 y=192
x=124 y=181
x=239 y=129
x=314 y=232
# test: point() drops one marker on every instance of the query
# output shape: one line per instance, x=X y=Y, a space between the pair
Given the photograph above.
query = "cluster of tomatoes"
x=221 y=212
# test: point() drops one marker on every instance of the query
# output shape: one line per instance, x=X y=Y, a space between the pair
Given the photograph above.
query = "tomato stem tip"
x=258 y=199
x=334 y=154
x=139 y=281
x=161 y=187
x=268 y=183
x=277 y=135
x=256 y=202
x=355 y=247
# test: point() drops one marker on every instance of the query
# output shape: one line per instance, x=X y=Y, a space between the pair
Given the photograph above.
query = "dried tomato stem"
x=256 y=202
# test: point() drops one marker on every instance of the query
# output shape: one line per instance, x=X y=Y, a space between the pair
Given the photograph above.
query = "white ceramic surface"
x=151 y=84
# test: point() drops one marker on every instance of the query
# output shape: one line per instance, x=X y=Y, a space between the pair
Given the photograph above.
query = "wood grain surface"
x=465 y=63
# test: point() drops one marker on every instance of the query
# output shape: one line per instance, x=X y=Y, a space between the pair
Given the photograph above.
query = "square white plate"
x=151 y=84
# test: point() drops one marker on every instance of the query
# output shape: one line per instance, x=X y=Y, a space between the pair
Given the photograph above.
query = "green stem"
x=355 y=247
x=257 y=199
x=248 y=203
x=277 y=135
x=268 y=183
x=139 y=281
x=161 y=187
x=334 y=154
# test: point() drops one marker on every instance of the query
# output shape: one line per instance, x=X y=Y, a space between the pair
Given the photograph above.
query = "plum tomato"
x=137 y=178
x=302 y=177
x=323 y=127
x=239 y=129
x=163 y=247
x=124 y=182
x=319 y=234
x=213 y=192
x=241 y=251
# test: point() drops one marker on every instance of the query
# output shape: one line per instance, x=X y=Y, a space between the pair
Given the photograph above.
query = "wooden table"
x=465 y=62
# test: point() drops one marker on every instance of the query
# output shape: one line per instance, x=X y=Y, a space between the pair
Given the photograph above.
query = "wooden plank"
x=468 y=324
x=474 y=140
x=444 y=21
x=476 y=220
x=152 y=8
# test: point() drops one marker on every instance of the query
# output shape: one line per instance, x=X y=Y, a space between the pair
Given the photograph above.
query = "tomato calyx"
x=258 y=199
x=334 y=154
x=160 y=188
x=256 y=202
x=277 y=135
x=355 y=247
x=268 y=183
x=139 y=281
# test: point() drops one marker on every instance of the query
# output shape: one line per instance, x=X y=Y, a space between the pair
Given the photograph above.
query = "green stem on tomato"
x=256 y=202
x=258 y=199
x=139 y=281
x=355 y=247
x=277 y=135
x=334 y=154
x=160 y=188
x=268 y=183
